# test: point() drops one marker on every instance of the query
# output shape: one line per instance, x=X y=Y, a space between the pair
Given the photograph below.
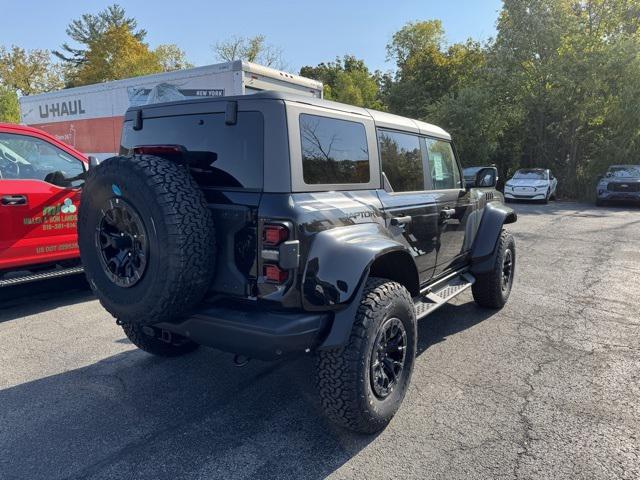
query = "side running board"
x=10 y=282
x=440 y=293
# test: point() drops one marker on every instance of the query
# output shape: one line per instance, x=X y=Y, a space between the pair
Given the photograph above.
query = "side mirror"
x=93 y=161
x=486 y=178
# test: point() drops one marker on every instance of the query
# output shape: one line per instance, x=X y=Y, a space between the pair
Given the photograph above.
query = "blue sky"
x=307 y=32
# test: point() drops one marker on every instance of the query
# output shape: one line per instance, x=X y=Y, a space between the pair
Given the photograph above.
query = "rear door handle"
x=446 y=213
x=11 y=200
x=395 y=221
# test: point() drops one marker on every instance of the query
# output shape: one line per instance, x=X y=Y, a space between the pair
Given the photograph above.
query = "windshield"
x=627 y=171
x=530 y=175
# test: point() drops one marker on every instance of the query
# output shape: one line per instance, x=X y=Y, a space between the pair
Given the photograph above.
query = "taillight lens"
x=273 y=273
x=274 y=235
x=158 y=150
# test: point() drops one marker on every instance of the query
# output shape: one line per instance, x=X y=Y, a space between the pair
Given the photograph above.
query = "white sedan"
x=531 y=184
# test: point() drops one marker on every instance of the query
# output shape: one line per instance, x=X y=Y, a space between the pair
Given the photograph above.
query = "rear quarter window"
x=239 y=149
x=334 y=151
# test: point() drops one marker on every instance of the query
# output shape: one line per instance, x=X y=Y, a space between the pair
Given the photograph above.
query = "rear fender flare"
x=338 y=260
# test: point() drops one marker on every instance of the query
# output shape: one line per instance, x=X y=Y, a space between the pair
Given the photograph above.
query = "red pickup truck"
x=40 y=180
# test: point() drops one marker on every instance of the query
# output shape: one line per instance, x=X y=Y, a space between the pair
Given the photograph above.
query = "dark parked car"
x=621 y=182
x=274 y=225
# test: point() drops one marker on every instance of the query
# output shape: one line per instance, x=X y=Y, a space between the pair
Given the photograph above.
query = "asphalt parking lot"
x=549 y=387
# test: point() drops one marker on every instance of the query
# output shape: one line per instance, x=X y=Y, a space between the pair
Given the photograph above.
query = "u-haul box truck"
x=89 y=118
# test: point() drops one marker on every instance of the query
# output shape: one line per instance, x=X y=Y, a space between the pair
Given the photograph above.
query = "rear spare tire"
x=146 y=238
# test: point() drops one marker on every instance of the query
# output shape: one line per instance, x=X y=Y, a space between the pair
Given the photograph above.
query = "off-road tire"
x=601 y=203
x=344 y=375
x=180 y=235
x=488 y=288
x=150 y=339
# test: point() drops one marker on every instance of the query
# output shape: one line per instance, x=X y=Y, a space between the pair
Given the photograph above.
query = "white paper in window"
x=438 y=169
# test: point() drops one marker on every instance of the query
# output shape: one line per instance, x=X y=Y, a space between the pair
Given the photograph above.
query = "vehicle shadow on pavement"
x=37 y=297
x=132 y=415
x=449 y=320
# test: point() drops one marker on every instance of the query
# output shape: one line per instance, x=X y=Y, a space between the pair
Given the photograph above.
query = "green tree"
x=117 y=54
x=569 y=67
x=251 y=49
x=89 y=29
x=347 y=80
x=9 y=108
x=171 y=57
x=427 y=69
x=28 y=71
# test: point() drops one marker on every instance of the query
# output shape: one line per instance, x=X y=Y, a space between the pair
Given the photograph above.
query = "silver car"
x=621 y=182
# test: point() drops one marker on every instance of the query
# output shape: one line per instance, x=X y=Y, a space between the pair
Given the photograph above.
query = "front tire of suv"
x=362 y=385
x=158 y=342
x=492 y=289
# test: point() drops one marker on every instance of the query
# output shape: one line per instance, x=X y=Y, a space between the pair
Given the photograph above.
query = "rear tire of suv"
x=146 y=238
x=158 y=342
x=362 y=385
x=492 y=289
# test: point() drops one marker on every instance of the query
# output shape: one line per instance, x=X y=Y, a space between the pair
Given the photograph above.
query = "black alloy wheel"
x=507 y=270
x=122 y=240
x=388 y=357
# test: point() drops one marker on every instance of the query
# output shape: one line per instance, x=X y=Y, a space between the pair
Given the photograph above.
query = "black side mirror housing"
x=93 y=161
x=485 y=178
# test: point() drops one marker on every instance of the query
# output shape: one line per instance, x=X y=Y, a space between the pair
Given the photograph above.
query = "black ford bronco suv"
x=272 y=225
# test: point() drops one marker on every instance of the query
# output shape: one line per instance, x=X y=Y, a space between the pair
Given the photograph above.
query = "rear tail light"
x=158 y=150
x=274 y=273
x=274 y=235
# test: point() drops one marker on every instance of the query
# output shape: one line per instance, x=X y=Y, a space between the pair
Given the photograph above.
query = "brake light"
x=274 y=235
x=158 y=150
x=273 y=273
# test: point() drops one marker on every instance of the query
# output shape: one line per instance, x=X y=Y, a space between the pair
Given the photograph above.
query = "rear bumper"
x=254 y=333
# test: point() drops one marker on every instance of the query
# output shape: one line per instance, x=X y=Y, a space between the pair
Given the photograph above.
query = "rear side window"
x=225 y=156
x=401 y=158
x=443 y=166
x=334 y=151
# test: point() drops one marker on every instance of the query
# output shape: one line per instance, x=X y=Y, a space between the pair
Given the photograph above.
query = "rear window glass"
x=225 y=156
x=333 y=151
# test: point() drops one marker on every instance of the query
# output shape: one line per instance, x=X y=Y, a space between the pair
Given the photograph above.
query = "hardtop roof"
x=381 y=119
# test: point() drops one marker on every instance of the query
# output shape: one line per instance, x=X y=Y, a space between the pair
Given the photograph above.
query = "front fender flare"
x=483 y=250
